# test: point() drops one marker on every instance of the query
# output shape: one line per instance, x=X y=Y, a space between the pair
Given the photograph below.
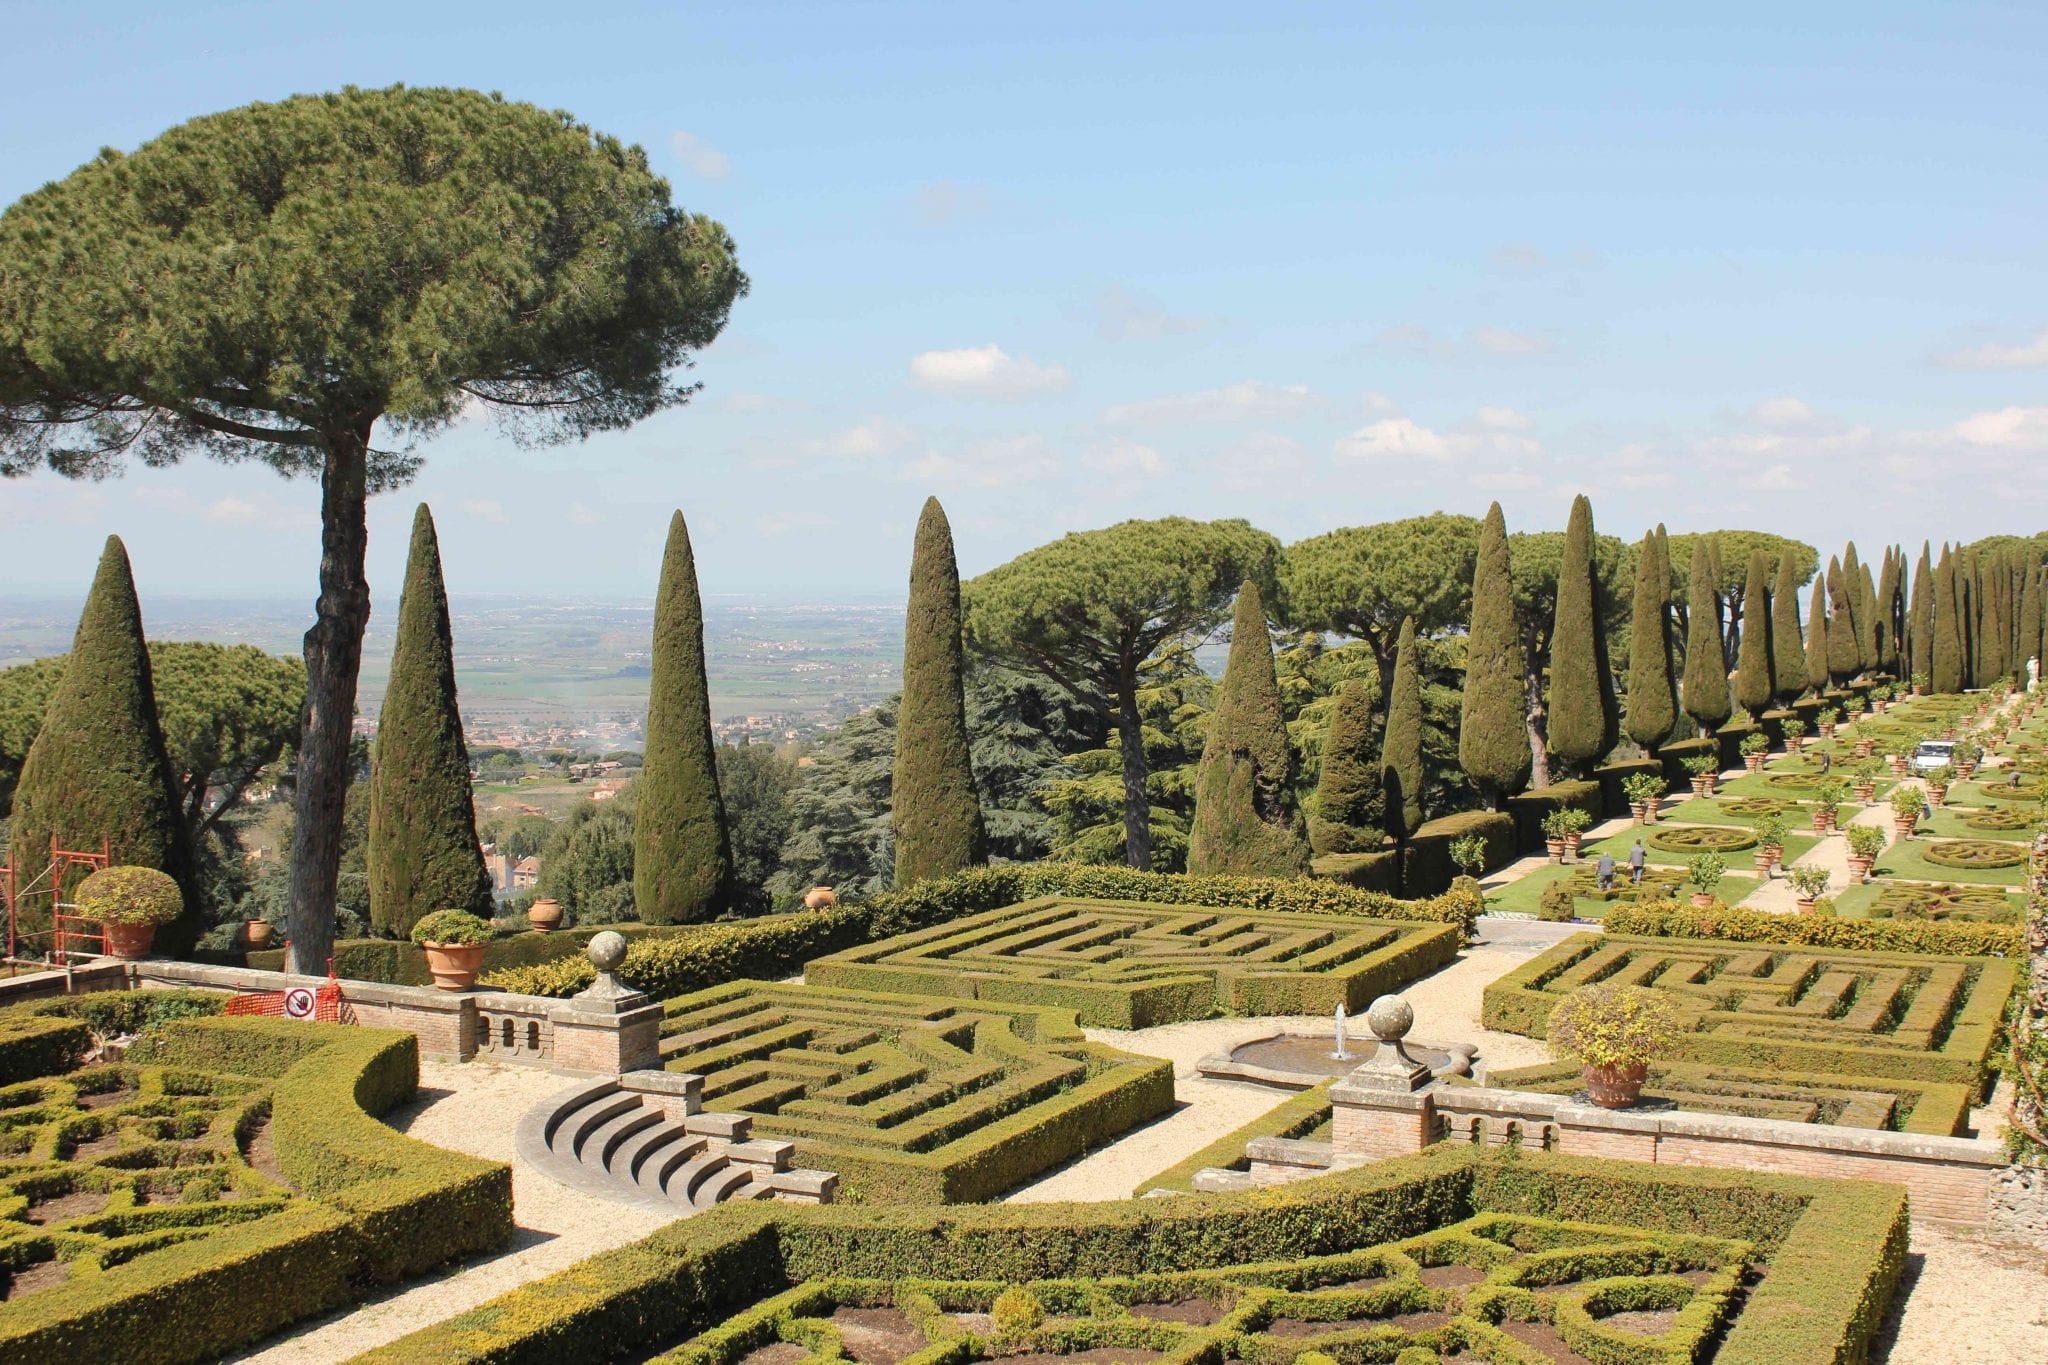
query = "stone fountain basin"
x=1296 y=1061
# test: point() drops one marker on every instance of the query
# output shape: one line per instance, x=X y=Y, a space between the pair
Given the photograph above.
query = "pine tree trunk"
x=1130 y=728
x=334 y=654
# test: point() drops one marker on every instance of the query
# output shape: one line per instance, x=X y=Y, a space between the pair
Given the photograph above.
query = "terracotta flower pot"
x=1902 y=827
x=1571 y=846
x=1635 y=811
x=819 y=897
x=1650 y=810
x=1754 y=762
x=1827 y=732
x=256 y=934
x=1767 y=858
x=1703 y=786
x=1794 y=743
x=1866 y=792
x=129 y=941
x=1864 y=747
x=1859 y=869
x=545 y=914
x=1804 y=904
x=1936 y=794
x=1615 y=1087
x=454 y=965
x=1555 y=847
x=1823 y=822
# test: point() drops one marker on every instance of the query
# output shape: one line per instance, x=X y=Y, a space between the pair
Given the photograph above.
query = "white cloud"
x=1249 y=400
x=2027 y=355
x=1129 y=458
x=1394 y=436
x=985 y=372
x=1781 y=414
x=1779 y=478
x=784 y=522
x=1515 y=480
x=992 y=462
x=580 y=515
x=1131 y=317
x=862 y=441
x=486 y=509
x=1509 y=341
x=2012 y=426
x=233 y=509
x=1257 y=463
x=703 y=159
x=1502 y=419
x=945 y=202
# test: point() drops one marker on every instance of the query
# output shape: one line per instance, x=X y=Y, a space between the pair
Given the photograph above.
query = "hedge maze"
x=1785 y=1010
x=910 y=1099
x=1922 y=900
x=1690 y=839
x=1980 y=855
x=1119 y=964
x=1837 y=1101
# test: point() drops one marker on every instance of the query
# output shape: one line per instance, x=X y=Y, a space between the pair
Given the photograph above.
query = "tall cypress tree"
x=1493 y=746
x=1401 y=754
x=1859 y=608
x=1652 y=694
x=1945 y=673
x=97 y=769
x=1348 y=788
x=1844 y=656
x=1706 y=668
x=2029 y=646
x=1968 y=604
x=935 y=810
x=423 y=853
x=1866 y=618
x=1581 y=691
x=682 y=852
x=1817 y=637
x=1714 y=585
x=1788 y=652
x=1887 y=614
x=1245 y=820
x=1920 y=629
x=1753 y=687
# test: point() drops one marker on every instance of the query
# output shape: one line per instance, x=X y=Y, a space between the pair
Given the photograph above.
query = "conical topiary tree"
x=682 y=852
x=934 y=808
x=1968 y=601
x=1788 y=649
x=1706 y=668
x=1245 y=820
x=1886 y=614
x=1920 y=631
x=423 y=853
x=1862 y=598
x=97 y=769
x=1401 y=754
x=1348 y=789
x=1652 y=694
x=2029 y=646
x=1945 y=672
x=1581 y=729
x=1817 y=638
x=1844 y=656
x=1753 y=688
x=1493 y=743
x=1997 y=622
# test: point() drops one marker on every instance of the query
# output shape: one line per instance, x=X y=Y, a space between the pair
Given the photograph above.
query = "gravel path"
x=472 y=1108
x=1966 y=1302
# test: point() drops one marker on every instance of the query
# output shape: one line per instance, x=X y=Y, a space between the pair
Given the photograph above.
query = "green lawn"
x=1905 y=860
x=1713 y=811
x=1948 y=822
x=1855 y=902
x=1796 y=846
x=1526 y=895
x=1753 y=784
x=1992 y=793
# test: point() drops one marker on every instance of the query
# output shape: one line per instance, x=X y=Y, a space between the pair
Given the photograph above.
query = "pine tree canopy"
x=423 y=852
x=1364 y=581
x=937 y=814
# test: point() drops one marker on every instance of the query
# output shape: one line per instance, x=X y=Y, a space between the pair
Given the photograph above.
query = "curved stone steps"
x=639 y=1139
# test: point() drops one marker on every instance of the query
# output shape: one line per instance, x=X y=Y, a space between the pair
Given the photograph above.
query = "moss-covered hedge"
x=381 y=1206
x=33 y=1045
x=1735 y=925
x=1835 y=1249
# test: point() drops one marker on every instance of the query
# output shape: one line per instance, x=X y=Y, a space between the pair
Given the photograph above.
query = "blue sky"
x=1777 y=266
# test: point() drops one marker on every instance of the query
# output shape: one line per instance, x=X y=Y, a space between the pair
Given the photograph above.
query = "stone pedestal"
x=608 y=1027
x=1383 y=1108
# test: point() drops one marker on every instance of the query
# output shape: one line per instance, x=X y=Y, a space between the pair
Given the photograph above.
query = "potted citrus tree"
x=1755 y=748
x=1770 y=830
x=1468 y=851
x=129 y=903
x=1965 y=758
x=1919 y=684
x=1807 y=884
x=1562 y=830
x=1827 y=804
x=1938 y=781
x=1865 y=843
x=1703 y=769
x=1795 y=734
x=1907 y=803
x=1644 y=791
x=454 y=944
x=1613 y=1032
x=1828 y=718
x=1704 y=871
x=1865 y=773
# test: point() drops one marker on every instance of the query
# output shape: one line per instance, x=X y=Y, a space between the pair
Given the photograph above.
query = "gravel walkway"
x=472 y=1108
x=1966 y=1302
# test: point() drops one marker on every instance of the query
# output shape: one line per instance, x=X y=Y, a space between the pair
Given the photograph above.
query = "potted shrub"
x=1770 y=840
x=1827 y=804
x=256 y=934
x=1865 y=774
x=1704 y=871
x=1807 y=884
x=545 y=914
x=1865 y=843
x=1827 y=718
x=1966 y=756
x=454 y=943
x=1907 y=803
x=1562 y=830
x=1901 y=765
x=1468 y=852
x=1613 y=1032
x=1919 y=684
x=1795 y=734
x=129 y=903
x=1938 y=780
x=1644 y=791
x=1703 y=768
x=1755 y=749
x=820 y=898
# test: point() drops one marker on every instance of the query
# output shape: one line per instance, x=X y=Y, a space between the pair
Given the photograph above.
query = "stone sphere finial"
x=1390 y=1017
x=607 y=950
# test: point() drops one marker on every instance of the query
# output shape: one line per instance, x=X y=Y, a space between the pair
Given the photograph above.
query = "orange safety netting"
x=322 y=1004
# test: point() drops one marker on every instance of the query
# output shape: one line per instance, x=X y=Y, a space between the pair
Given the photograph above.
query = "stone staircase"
x=642 y=1138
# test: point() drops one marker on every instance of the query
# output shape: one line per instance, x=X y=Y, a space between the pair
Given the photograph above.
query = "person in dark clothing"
x=1827 y=760
x=1605 y=871
x=1636 y=858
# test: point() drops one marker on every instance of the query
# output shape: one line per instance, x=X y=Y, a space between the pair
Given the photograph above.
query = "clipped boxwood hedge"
x=1295 y=1117
x=33 y=1045
x=1532 y=806
x=1690 y=839
x=1947 y=938
x=1835 y=1249
x=1977 y=855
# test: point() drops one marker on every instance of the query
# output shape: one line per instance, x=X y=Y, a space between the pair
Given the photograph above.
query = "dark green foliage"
x=1246 y=821
x=32 y=1045
x=754 y=783
x=1348 y=791
x=682 y=854
x=1945 y=670
x=1817 y=638
x=1920 y=626
x=1862 y=601
x=1995 y=621
x=1844 y=655
x=1890 y=613
x=1401 y=756
x=98 y=769
x=1754 y=687
x=423 y=845
x=1536 y=561
x=1706 y=668
x=1652 y=691
x=1788 y=648
x=2028 y=645
x=1092 y=609
x=1582 y=711
x=1493 y=745
x=937 y=816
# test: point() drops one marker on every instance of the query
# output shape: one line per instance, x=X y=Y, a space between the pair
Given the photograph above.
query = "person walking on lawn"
x=1605 y=871
x=1637 y=856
